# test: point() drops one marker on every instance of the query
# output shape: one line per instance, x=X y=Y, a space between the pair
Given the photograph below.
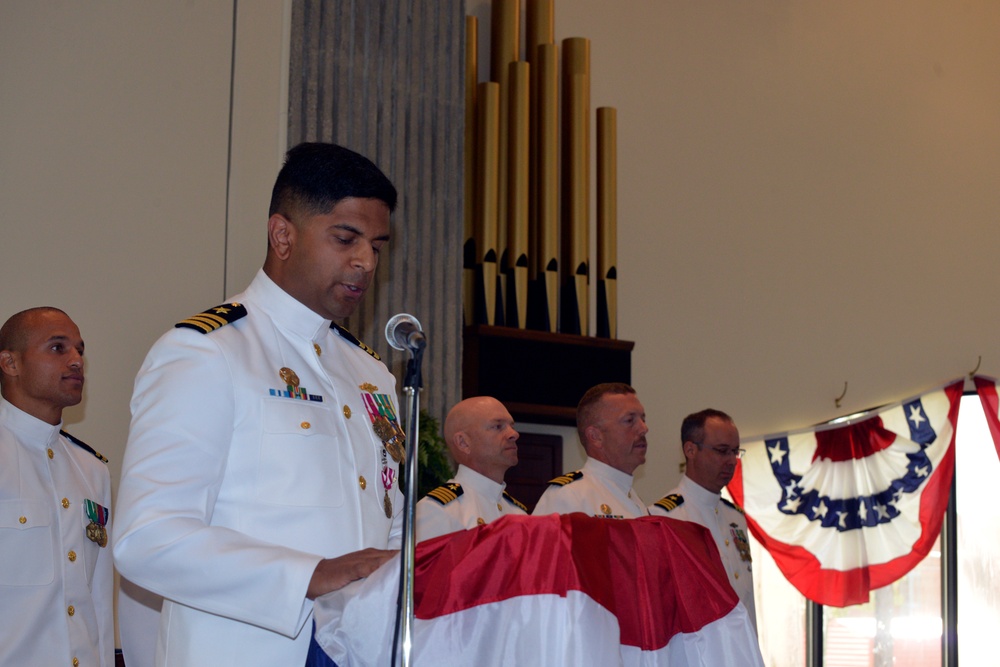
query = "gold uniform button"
x=319 y=350
x=727 y=543
x=52 y=454
x=362 y=482
x=606 y=509
x=65 y=503
x=499 y=507
x=23 y=519
x=347 y=412
x=72 y=556
x=76 y=662
x=480 y=522
x=305 y=425
x=70 y=610
x=736 y=575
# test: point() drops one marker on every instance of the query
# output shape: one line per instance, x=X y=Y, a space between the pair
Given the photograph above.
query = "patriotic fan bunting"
x=846 y=509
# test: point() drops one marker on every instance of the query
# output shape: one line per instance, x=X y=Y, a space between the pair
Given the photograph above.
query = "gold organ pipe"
x=607 y=222
x=576 y=185
x=517 y=196
x=469 y=165
x=546 y=257
x=505 y=25
x=540 y=22
x=488 y=129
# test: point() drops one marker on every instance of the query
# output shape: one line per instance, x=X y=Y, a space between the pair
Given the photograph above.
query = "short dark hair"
x=693 y=426
x=585 y=408
x=14 y=332
x=316 y=176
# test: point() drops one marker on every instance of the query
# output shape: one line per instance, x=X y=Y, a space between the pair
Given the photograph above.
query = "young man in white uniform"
x=255 y=477
x=55 y=503
x=611 y=423
x=480 y=435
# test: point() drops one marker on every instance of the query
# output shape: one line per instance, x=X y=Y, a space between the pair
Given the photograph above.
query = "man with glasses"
x=711 y=446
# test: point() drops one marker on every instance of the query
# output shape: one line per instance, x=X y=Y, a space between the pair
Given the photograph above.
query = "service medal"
x=288 y=376
x=391 y=438
x=97 y=533
x=98 y=515
x=387 y=505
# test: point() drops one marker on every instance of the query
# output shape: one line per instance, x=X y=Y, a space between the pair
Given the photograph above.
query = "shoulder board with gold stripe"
x=671 y=502
x=514 y=501
x=349 y=337
x=214 y=318
x=733 y=505
x=563 y=480
x=80 y=443
x=446 y=493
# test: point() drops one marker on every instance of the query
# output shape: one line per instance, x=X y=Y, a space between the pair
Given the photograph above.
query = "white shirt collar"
x=696 y=493
x=479 y=483
x=620 y=479
x=287 y=312
x=30 y=431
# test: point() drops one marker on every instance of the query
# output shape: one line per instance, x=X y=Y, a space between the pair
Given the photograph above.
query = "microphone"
x=403 y=332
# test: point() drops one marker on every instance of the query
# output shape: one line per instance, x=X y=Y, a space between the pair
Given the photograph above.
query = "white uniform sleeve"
x=434 y=520
x=175 y=462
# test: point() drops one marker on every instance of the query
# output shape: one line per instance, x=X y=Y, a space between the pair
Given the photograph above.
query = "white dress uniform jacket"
x=728 y=526
x=597 y=489
x=250 y=457
x=467 y=500
x=55 y=583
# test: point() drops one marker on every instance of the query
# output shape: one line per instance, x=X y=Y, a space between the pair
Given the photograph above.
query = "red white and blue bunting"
x=848 y=508
x=986 y=387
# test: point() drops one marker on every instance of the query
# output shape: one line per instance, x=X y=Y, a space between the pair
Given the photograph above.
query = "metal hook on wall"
x=979 y=363
x=837 y=400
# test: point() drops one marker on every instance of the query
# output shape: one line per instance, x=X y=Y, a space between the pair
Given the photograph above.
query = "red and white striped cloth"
x=551 y=590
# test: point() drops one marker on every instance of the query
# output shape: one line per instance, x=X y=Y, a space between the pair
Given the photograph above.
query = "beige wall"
x=808 y=196
x=807 y=191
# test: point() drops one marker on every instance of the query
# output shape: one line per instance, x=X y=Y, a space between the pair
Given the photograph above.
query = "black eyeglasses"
x=725 y=452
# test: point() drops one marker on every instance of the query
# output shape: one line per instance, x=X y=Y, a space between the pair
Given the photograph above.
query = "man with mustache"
x=480 y=435
x=55 y=500
x=611 y=423
x=261 y=469
x=711 y=445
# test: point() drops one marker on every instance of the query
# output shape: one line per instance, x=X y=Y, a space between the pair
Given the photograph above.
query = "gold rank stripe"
x=445 y=494
x=206 y=322
x=214 y=318
x=670 y=502
x=563 y=480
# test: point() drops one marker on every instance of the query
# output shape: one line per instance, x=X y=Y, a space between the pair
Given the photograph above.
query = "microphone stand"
x=404 y=603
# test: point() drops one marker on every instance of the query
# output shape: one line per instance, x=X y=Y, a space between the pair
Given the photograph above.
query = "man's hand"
x=334 y=573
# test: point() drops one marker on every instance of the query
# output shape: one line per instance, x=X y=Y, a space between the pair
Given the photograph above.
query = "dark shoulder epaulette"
x=734 y=506
x=671 y=502
x=80 y=443
x=349 y=337
x=446 y=493
x=214 y=318
x=514 y=501
x=563 y=480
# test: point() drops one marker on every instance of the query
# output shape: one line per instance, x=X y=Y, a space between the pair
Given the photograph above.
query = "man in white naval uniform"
x=711 y=445
x=611 y=423
x=55 y=499
x=254 y=479
x=480 y=435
